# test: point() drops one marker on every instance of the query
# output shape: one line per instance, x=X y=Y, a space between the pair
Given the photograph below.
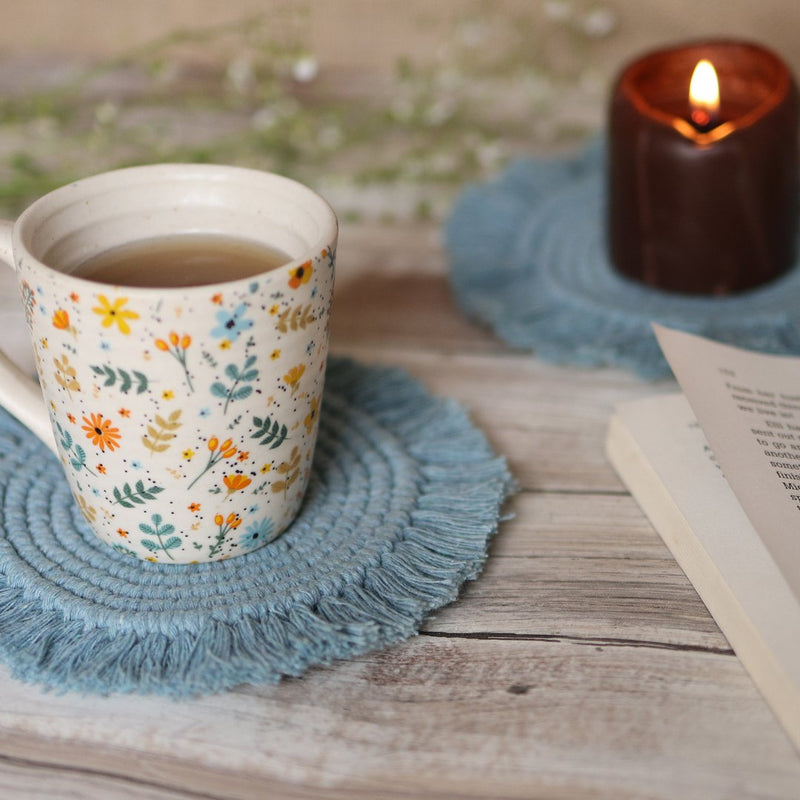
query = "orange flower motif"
x=177 y=347
x=236 y=483
x=74 y=296
x=101 y=433
x=194 y=507
x=300 y=275
x=101 y=469
x=61 y=320
x=71 y=418
x=123 y=533
x=218 y=451
x=243 y=456
x=124 y=412
x=232 y=520
x=216 y=299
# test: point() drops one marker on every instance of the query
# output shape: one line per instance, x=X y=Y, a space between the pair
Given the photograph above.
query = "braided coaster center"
x=379 y=542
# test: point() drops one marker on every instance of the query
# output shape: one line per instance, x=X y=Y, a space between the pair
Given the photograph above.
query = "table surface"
x=581 y=664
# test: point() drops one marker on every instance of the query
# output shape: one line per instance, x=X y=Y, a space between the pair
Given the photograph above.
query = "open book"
x=717 y=471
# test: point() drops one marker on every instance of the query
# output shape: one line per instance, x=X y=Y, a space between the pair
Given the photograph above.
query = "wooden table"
x=580 y=665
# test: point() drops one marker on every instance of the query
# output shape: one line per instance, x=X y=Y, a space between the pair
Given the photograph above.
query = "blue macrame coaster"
x=528 y=258
x=404 y=496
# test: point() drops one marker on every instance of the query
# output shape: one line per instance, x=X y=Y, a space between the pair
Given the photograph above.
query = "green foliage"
x=128 y=496
x=121 y=377
x=269 y=431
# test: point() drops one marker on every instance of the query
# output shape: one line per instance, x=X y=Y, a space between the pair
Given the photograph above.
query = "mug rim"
x=108 y=182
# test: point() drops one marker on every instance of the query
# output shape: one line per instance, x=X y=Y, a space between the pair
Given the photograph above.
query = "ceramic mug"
x=185 y=418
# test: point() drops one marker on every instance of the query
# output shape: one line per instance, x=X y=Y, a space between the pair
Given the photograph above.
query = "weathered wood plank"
x=436 y=718
x=548 y=421
x=392 y=290
x=582 y=568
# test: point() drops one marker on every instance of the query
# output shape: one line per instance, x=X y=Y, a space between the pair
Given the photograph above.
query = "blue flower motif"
x=204 y=412
x=104 y=345
x=135 y=464
x=232 y=324
x=257 y=533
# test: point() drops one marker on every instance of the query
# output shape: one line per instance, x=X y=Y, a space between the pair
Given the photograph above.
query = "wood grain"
x=581 y=664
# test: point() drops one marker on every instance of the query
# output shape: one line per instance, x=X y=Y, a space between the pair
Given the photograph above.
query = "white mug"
x=186 y=417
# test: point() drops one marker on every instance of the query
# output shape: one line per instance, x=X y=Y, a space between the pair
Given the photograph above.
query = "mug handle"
x=19 y=394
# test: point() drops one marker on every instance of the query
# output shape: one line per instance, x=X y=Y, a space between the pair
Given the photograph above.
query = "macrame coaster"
x=528 y=258
x=405 y=494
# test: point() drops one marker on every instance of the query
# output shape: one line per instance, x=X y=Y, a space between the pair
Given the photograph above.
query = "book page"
x=748 y=405
x=661 y=454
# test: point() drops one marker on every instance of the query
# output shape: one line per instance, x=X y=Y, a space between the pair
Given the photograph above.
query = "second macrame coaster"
x=529 y=258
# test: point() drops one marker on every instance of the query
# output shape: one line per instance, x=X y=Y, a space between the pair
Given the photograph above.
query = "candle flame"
x=704 y=94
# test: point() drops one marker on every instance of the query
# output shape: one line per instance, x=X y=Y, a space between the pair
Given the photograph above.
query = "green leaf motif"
x=126 y=379
x=274 y=434
x=159 y=531
x=244 y=375
x=127 y=496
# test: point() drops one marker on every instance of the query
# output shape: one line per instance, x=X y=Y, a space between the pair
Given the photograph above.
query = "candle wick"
x=702 y=120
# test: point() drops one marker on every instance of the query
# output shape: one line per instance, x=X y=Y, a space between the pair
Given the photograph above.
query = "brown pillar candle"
x=703 y=194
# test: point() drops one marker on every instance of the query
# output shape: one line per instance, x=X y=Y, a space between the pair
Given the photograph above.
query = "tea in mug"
x=181 y=260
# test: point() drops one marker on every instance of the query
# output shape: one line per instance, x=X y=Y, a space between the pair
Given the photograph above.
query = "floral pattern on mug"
x=208 y=396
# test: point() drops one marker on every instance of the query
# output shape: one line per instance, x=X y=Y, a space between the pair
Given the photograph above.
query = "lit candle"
x=703 y=168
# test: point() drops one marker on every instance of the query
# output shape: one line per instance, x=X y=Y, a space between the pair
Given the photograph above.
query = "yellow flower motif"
x=188 y=454
x=311 y=417
x=292 y=377
x=167 y=394
x=225 y=344
x=275 y=355
x=274 y=309
x=114 y=313
x=266 y=468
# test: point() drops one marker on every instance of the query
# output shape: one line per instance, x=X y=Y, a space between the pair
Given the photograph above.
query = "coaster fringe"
x=529 y=259
x=448 y=517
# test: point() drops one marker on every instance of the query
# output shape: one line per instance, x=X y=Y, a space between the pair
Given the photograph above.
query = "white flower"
x=263 y=119
x=106 y=113
x=599 y=23
x=240 y=73
x=305 y=69
x=558 y=10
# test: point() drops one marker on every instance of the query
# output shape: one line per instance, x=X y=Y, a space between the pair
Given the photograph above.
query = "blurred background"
x=386 y=108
